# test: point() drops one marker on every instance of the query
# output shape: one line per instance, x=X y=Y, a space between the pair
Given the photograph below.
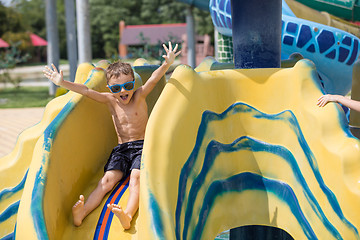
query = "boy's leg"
x=81 y=209
x=125 y=216
x=134 y=189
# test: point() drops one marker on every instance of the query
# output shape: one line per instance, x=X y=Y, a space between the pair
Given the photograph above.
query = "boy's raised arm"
x=57 y=78
x=170 y=56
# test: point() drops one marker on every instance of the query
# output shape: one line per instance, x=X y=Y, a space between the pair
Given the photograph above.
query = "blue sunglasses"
x=127 y=86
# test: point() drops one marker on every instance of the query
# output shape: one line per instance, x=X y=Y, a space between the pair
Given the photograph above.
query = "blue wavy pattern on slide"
x=246 y=143
x=10 y=211
x=37 y=195
x=10 y=236
x=8 y=192
x=251 y=181
x=185 y=201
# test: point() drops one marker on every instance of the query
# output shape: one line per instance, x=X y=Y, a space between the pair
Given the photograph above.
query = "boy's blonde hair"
x=117 y=68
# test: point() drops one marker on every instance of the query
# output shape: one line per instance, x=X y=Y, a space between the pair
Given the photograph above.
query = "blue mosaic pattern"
x=333 y=51
x=325 y=41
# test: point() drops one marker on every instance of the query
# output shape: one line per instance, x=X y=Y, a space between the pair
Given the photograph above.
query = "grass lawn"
x=24 y=97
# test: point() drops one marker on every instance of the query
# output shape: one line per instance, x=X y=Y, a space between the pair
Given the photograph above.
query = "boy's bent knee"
x=106 y=185
x=109 y=180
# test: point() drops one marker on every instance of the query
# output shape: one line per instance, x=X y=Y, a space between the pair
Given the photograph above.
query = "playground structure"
x=349 y=10
x=221 y=140
x=329 y=48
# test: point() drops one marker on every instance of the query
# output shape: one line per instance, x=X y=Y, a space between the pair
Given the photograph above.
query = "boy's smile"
x=124 y=96
x=118 y=86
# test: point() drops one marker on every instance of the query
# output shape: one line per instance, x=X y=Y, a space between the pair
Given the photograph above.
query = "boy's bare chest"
x=131 y=114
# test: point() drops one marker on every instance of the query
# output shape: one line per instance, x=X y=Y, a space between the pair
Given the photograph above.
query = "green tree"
x=8 y=59
x=10 y=20
x=105 y=17
x=21 y=40
x=32 y=15
x=60 y=6
x=171 y=11
x=203 y=22
x=29 y=15
x=21 y=17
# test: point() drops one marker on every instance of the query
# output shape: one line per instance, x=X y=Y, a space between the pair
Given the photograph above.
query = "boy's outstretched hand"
x=170 y=53
x=54 y=75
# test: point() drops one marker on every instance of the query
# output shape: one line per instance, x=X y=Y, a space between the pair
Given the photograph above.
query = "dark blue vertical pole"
x=256 y=29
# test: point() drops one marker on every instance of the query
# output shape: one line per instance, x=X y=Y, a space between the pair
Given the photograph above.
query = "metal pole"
x=52 y=35
x=190 y=32
x=71 y=37
x=83 y=30
x=216 y=47
x=256 y=29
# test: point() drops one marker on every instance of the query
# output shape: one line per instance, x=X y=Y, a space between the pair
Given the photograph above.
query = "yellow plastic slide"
x=230 y=148
x=68 y=161
x=14 y=167
x=223 y=148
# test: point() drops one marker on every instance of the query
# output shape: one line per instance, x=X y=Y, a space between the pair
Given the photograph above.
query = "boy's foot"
x=78 y=211
x=124 y=218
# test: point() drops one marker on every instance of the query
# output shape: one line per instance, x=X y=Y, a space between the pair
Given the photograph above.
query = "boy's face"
x=124 y=95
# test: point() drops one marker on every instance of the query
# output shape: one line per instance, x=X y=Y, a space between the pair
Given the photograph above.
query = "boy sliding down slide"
x=130 y=115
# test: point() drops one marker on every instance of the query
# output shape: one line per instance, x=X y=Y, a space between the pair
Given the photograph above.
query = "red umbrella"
x=37 y=41
x=3 y=44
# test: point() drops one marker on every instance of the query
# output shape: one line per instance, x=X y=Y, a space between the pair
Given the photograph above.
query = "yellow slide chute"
x=14 y=166
x=223 y=149
x=230 y=148
x=68 y=161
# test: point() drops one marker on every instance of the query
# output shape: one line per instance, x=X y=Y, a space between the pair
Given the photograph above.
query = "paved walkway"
x=12 y=122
